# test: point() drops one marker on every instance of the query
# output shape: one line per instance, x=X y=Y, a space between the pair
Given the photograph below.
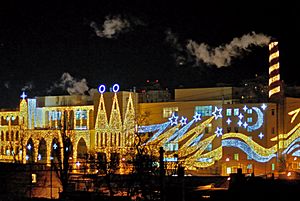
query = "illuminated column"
x=274 y=76
x=36 y=150
x=49 y=148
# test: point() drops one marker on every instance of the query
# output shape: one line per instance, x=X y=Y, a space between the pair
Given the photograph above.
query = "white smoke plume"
x=73 y=86
x=222 y=55
x=28 y=86
x=111 y=27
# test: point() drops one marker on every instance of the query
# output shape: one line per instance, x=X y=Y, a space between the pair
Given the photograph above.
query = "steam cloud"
x=222 y=55
x=110 y=27
x=73 y=86
x=28 y=86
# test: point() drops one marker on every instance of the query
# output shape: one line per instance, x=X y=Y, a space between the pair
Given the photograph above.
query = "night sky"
x=53 y=48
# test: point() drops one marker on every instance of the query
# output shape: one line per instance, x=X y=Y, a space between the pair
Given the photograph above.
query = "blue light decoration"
x=260 y=119
x=54 y=146
x=228 y=121
x=183 y=120
x=116 y=88
x=39 y=157
x=196 y=140
x=263 y=106
x=197 y=117
x=296 y=153
x=241 y=116
x=219 y=131
x=173 y=119
x=151 y=128
x=23 y=95
x=29 y=147
x=245 y=108
x=217 y=113
x=101 y=88
x=204 y=160
x=27 y=157
x=245 y=124
x=291 y=145
x=245 y=148
x=293 y=148
x=261 y=135
x=179 y=133
x=239 y=123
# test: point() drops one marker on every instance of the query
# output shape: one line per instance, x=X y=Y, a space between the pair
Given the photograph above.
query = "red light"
x=156 y=80
x=148 y=81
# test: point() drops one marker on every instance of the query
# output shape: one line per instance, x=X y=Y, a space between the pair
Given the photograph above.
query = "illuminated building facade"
x=209 y=135
x=104 y=123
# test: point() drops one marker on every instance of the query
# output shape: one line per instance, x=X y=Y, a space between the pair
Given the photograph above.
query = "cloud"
x=111 y=27
x=222 y=56
x=73 y=86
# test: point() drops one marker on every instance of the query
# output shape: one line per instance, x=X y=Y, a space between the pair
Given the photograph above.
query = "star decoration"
x=241 y=116
x=219 y=132
x=264 y=106
x=245 y=124
x=54 y=146
x=228 y=121
x=39 y=157
x=261 y=135
x=29 y=147
x=173 y=119
x=197 y=117
x=240 y=123
x=27 y=157
x=217 y=113
x=245 y=108
x=23 y=96
x=183 y=121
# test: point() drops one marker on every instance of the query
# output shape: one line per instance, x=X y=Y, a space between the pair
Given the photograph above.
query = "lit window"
x=228 y=170
x=236 y=157
x=249 y=119
x=168 y=111
x=249 y=111
x=273 y=166
x=205 y=111
x=228 y=112
x=236 y=112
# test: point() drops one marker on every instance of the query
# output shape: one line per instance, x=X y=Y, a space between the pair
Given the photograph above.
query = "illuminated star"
x=183 y=121
x=245 y=108
x=29 y=147
x=197 y=117
x=240 y=123
x=27 y=157
x=261 y=135
x=173 y=119
x=219 y=132
x=39 y=157
x=217 y=113
x=228 y=121
x=245 y=124
x=264 y=106
x=23 y=96
x=54 y=146
x=241 y=116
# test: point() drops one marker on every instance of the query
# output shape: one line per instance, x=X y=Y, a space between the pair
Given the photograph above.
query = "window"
x=204 y=110
x=168 y=111
x=229 y=112
x=273 y=166
x=208 y=128
x=81 y=114
x=249 y=119
x=228 y=170
x=236 y=112
x=236 y=157
x=249 y=111
x=273 y=112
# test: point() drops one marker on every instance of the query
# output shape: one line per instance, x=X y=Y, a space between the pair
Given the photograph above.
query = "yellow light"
x=274 y=91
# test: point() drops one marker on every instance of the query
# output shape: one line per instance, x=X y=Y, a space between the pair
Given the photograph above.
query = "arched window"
x=2 y=136
x=7 y=136
x=12 y=136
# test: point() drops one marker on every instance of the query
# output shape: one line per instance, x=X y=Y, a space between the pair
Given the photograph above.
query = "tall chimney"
x=275 y=85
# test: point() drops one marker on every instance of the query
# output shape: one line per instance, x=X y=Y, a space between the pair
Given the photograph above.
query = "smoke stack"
x=275 y=85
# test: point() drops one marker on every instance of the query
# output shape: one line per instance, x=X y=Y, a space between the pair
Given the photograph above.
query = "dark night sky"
x=39 y=42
